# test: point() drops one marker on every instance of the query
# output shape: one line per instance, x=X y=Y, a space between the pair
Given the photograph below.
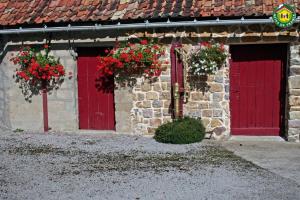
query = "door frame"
x=284 y=86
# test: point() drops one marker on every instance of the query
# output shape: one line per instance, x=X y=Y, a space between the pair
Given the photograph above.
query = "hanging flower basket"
x=37 y=70
x=207 y=58
x=128 y=61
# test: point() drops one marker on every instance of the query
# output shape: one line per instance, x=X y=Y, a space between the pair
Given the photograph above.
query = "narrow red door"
x=95 y=93
x=257 y=89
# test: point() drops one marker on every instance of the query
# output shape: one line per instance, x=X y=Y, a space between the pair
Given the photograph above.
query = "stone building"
x=257 y=92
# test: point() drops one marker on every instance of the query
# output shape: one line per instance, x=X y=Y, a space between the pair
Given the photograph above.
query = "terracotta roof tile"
x=44 y=11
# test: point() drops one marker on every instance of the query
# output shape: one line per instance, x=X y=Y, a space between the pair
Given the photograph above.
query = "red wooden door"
x=95 y=93
x=257 y=89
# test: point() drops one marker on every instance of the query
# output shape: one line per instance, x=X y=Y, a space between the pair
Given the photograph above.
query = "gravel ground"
x=71 y=166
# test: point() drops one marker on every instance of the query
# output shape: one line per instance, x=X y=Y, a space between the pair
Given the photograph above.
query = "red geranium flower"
x=144 y=42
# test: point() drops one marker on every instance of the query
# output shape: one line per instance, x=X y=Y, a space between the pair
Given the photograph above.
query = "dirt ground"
x=106 y=166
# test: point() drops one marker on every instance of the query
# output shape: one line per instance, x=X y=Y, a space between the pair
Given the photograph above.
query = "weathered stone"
x=217 y=113
x=147 y=113
x=294 y=123
x=198 y=96
x=146 y=104
x=219 y=79
x=294 y=100
x=156 y=87
x=146 y=121
x=294 y=131
x=294 y=33
x=140 y=96
x=205 y=121
x=203 y=105
x=146 y=87
x=295 y=108
x=166 y=120
x=226 y=88
x=210 y=78
x=166 y=86
x=192 y=104
x=215 y=105
x=218 y=97
x=150 y=131
x=293 y=138
x=295 y=70
x=157 y=104
x=215 y=123
x=166 y=112
x=195 y=114
x=295 y=92
x=151 y=95
x=155 y=122
x=294 y=60
x=157 y=113
x=294 y=135
x=207 y=113
x=167 y=104
x=165 y=95
x=201 y=35
x=215 y=87
x=294 y=115
x=226 y=97
x=139 y=104
x=219 y=130
x=294 y=82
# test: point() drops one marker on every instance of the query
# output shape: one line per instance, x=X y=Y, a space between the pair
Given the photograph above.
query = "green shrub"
x=181 y=131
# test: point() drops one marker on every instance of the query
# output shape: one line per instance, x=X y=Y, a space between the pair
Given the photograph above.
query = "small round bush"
x=181 y=131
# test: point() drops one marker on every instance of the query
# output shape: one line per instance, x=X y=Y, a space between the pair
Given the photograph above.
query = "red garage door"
x=257 y=89
x=96 y=96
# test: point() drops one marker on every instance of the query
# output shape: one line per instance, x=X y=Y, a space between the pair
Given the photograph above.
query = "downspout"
x=176 y=81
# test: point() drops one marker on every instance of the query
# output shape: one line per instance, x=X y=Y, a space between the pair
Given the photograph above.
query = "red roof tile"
x=44 y=11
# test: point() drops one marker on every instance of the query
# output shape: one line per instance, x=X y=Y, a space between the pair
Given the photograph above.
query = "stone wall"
x=294 y=93
x=209 y=99
x=151 y=101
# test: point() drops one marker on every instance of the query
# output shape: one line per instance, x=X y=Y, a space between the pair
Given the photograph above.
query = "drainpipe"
x=145 y=25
